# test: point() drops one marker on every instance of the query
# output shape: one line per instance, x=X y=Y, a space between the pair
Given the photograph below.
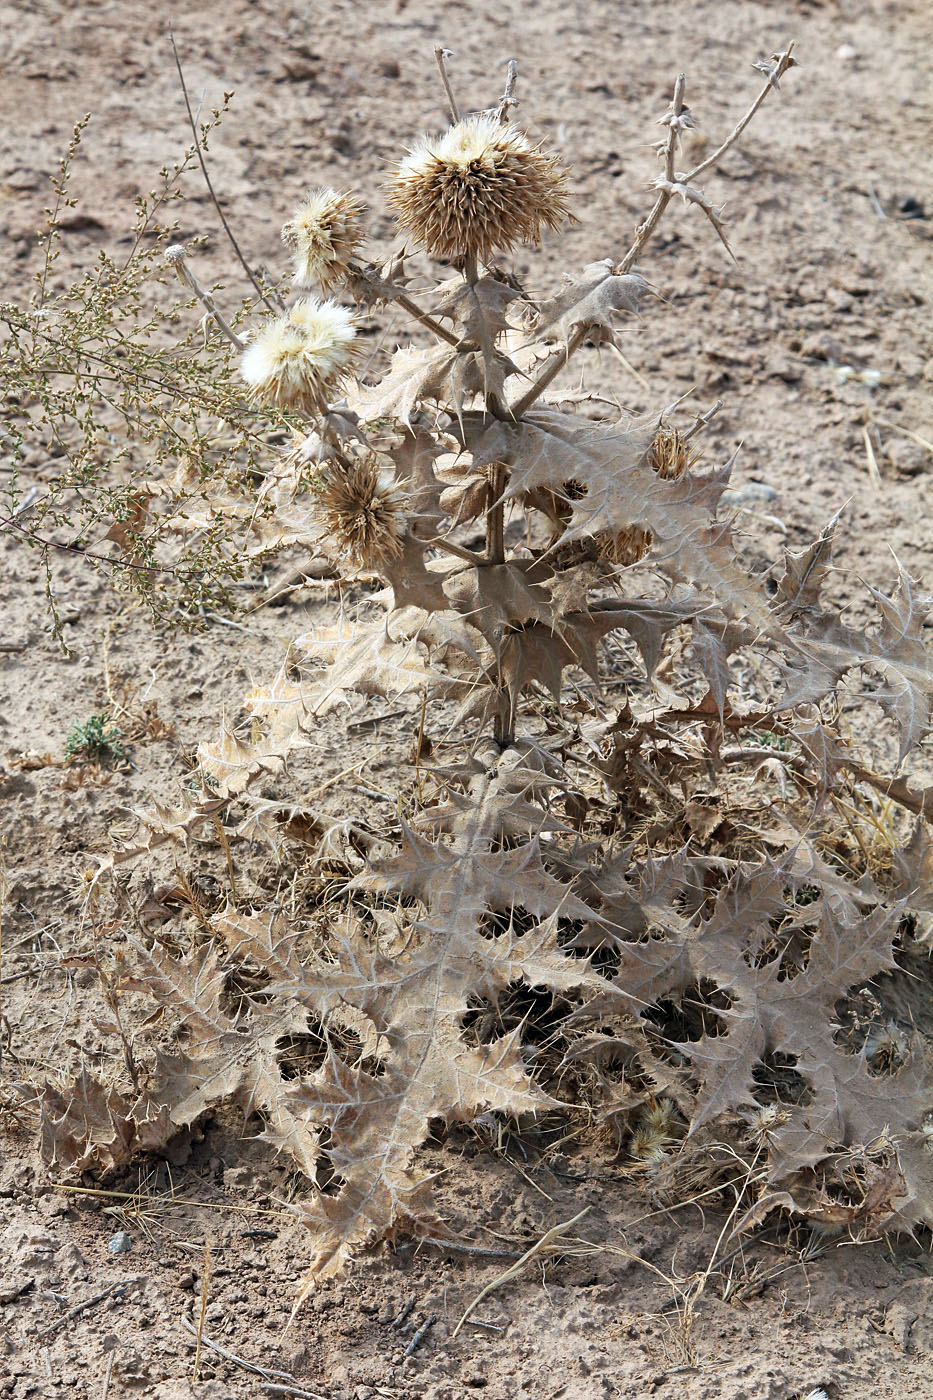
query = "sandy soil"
x=830 y=273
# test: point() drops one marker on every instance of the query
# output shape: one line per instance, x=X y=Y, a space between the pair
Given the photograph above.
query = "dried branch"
x=260 y=291
x=441 y=56
x=775 y=69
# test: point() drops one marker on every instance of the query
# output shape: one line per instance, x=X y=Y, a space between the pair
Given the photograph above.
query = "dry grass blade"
x=549 y=1243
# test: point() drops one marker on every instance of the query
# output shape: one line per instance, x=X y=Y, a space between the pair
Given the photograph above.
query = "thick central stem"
x=504 y=730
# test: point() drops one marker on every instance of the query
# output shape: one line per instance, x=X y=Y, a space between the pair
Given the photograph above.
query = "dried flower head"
x=480 y=187
x=296 y=360
x=323 y=235
x=764 y=1123
x=657 y=1129
x=362 y=511
x=886 y=1048
x=669 y=457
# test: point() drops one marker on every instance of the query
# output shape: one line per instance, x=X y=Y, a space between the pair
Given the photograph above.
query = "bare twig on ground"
x=547 y=1244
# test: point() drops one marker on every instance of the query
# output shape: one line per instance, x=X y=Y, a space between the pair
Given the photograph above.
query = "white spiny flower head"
x=296 y=360
x=480 y=187
x=323 y=234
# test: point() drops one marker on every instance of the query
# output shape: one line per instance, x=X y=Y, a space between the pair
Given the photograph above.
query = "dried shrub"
x=653 y=863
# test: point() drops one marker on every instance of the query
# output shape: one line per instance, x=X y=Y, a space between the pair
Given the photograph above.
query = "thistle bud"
x=323 y=235
x=670 y=456
x=480 y=187
x=299 y=357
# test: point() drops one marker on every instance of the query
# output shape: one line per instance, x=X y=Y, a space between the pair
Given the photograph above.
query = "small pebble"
x=749 y=492
x=120 y=1243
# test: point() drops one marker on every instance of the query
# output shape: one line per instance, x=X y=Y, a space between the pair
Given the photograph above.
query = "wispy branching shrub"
x=121 y=414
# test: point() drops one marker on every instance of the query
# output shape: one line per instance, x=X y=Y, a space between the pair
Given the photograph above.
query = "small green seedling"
x=98 y=740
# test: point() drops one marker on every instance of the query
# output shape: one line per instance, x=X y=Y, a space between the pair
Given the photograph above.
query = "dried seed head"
x=658 y=1128
x=297 y=360
x=671 y=454
x=362 y=510
x=886 y=1048
x=480 y=187
x=669 y=457
x=662 y=1115
x=648 y=1148
x=323 y=235
x=765 y=1122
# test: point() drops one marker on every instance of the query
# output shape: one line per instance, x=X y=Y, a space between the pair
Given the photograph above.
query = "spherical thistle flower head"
x=299 y=357
x=323 y=235
x=480 y=187
x=362 y=511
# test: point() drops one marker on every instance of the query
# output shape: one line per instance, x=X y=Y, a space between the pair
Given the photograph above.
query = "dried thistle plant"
x=362 y=511
x=604 y=876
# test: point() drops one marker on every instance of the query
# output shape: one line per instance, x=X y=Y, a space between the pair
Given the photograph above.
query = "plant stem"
x=508 y=99
x=210 y=188
x=390 y=292
x=551 y=370
x=495 y=516
x=645 y=230
x=554 y=365
x=784 y=61
x=440 y=53
x=188 y=279
x=413 y=309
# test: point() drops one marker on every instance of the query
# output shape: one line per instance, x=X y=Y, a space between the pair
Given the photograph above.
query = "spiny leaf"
x=593 y=299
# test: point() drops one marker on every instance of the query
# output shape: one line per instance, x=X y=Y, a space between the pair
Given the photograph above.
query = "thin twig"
x=266 y=1372
x=390 y=292
x=907 y=432
x=873 y=470
x=442 y=54
x=175 y=256
x=293 y=1390
x=701 y=420
x=118 y=563
x=106 y=1390
x=876 y=202
x=645 y=230
x=472 y=1249
x=210 y=188
x=552 y=368
x=205 y=1289
x=406 y=1308
x=115 y=1288
x=421 y=1333
x=459 y=551
x=783 y=61
x=508 y=99
x=542 y=1246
